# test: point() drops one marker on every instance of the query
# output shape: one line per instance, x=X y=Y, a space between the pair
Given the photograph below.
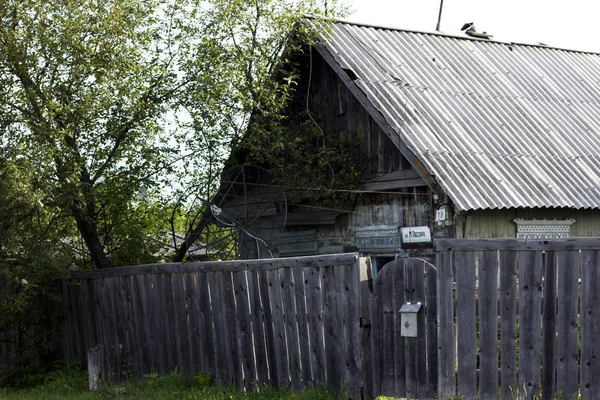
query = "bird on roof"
x=470 y=30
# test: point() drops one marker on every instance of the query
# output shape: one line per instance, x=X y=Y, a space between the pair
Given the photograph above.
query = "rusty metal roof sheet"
x=498 y=125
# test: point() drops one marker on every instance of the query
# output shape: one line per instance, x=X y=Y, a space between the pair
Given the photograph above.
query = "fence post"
x=95 y=356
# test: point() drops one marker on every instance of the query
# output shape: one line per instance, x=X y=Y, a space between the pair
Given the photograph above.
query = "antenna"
x=437 y=27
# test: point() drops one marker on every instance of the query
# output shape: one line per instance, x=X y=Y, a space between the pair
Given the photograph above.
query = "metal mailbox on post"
x=408 y=319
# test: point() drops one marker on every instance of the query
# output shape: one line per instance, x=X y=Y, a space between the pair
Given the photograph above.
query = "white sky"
x=572 y=24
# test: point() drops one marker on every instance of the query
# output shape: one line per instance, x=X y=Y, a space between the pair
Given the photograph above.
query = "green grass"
x=74 y=385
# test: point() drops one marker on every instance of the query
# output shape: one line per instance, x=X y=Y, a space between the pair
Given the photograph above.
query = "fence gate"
x=396 y=365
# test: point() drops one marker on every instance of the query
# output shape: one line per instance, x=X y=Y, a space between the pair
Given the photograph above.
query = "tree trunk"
x=88 y=229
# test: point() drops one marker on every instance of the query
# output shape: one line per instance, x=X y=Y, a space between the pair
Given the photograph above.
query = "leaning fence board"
x=530 y=291
x=567 y=326
x=246 y=349
x=445 y=308
x=488 y=324
x=206 y=327
x=508 y=325
x=232 y=327
x=466 y=329
x=590 y=325
x=193 y=356
x=385 y=291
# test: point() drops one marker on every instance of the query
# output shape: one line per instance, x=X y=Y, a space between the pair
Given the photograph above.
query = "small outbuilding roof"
x=496 y=125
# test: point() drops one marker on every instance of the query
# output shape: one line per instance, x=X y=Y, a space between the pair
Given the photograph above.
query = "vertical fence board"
x=488 y=324
x=258 y=329
x=141 y=315
x=353 y=362
x=445 y=307
x=467 y=339
x=193 y=356
x=206 y=327
x=549 y=327
x=222 y=333
x=376 y=307
x=567 y=324
x=246 y=350
x=291 y=327
x=232 y=326
x=366 y=325
x=314 y=303
x=415 y=293
x=431 y=329
x=530 y=290
x=160 y=323
x=302 y=317
x=329 y=277
x=395 y=274
x=508 y=327
x=181 y=336
x=590 y=325
x=385 y=289
x=281 y=357
x=411 y=357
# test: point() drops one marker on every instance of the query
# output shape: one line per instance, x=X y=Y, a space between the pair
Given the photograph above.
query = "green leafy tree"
x=105 y=100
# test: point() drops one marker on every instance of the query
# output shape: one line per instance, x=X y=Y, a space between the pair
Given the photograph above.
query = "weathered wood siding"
x=499 y=223
x=279 y=322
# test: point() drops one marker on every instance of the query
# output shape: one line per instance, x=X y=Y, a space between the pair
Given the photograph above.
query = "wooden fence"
x=394 y=365
x=526 y=315
x=279 y=322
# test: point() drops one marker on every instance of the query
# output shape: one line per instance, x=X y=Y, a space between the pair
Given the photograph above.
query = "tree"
x=105 y=100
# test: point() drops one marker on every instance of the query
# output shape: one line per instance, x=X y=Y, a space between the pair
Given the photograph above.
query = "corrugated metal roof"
x=498 y=125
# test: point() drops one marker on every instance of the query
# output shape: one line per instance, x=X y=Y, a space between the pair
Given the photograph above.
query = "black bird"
x=470 y=30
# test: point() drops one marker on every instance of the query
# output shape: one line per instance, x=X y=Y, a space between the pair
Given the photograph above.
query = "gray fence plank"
x=246 y=347
x=376 y=306
x=280 y=356
x=193 y=356
x=465 y=321
x=567 y=325
x=353 y=361
x=397 y=280
x=366 y=323
x=232 y=323
x=530 y=290
x=222 y=342
x=330 y=323
x=488 y=324
x=590 y=325
x=515 y=244
x=206 y=330
x=445 y=307
x=303 y=336
x=384 y=289
x=314 y=303
x=431 y=329
x=508 y=326
x=549 y=327
x=291 y=327
x=257 y=304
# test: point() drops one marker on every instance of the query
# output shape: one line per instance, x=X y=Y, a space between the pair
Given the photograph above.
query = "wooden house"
x=471 y=138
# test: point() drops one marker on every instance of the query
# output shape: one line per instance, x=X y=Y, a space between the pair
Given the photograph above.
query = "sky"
x=571 y=24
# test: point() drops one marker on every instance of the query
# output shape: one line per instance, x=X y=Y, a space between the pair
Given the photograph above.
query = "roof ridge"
x=348 y=21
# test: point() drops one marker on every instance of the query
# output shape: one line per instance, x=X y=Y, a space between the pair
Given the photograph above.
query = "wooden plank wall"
x=277 y=322
x=402 y=366
x=518 y=328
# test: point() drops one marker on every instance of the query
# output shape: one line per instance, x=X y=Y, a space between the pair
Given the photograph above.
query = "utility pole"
x=437 y=27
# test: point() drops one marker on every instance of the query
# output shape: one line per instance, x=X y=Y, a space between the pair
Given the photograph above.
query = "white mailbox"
x=408 y=319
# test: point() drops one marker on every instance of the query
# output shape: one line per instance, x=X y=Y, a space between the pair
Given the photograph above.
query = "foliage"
x=317 y=167
x=105 y=101
x=72 y=384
